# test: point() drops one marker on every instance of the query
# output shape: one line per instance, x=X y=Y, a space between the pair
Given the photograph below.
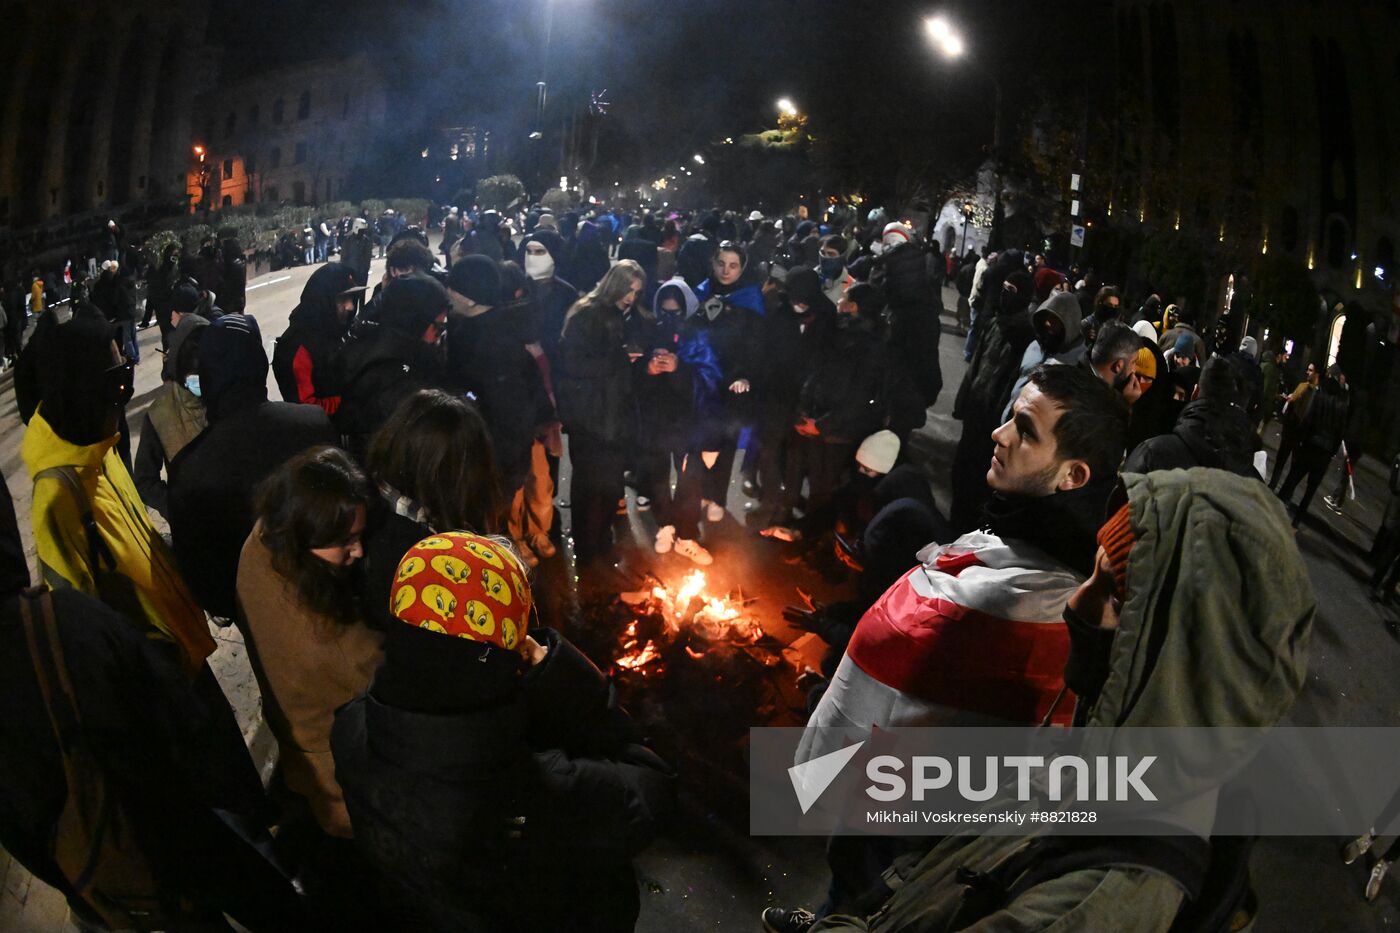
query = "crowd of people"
x=447 y=758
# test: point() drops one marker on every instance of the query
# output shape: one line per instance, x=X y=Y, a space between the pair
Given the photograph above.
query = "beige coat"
x=307 y=666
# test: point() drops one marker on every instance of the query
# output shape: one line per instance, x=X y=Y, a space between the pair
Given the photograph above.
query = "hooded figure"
x=551 y=295
x=986 y=387
x=90 y=527
x=914 y=306
x=175 y=417
x=383 y=363
x=1165 y=660
x=1059 y=338
x=1213 y=430
x=317 y=327
x=487 y=752
x=590 y=260
x=213 y=479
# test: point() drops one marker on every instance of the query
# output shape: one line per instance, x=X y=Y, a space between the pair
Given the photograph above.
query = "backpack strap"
x=64 y=716
x=99 y=554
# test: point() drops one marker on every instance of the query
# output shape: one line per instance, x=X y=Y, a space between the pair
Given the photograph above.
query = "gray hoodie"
x=1065 y=307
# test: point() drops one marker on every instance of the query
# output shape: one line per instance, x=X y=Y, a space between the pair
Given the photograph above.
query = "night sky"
x=683 y=73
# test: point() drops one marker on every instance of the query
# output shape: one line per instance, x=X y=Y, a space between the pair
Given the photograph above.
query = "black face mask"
x=1087 y=667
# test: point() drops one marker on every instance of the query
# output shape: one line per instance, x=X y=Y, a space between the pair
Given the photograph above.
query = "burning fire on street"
x=687 y=616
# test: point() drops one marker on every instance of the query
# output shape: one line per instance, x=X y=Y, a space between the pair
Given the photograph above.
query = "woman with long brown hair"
x=308 y=640
x=595 y=401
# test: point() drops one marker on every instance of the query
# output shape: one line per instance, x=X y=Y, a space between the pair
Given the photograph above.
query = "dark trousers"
x=679 y=506
x=1290 y=435
x=772 y=465
x=716 y=480
x=593 y=492
x=1307 y=461
x=821 y=464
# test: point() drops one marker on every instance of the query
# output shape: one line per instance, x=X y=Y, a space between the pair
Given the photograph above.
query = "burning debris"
x=687 y=617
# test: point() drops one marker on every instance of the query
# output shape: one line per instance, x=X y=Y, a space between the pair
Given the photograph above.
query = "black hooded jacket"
x=914 y=305
x=213 y=478
x=552 y=297
x=374 y=372
x=997 y=359
x=304 y=351
x=1208 y=434
x=454 y=748
x=793 y=343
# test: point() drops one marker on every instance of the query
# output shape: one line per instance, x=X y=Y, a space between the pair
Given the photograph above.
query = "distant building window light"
x=228 y=168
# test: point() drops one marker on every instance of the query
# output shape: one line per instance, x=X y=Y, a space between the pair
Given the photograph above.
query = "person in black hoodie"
x=487 y=358
x=303 y=354
x=385 y=362
x=795 y=336
x=986 y=387
x=542 y=256
x=488 y=773
x=1213 y=430
x=213 y=477
x=1322 y=431
x=914 y=305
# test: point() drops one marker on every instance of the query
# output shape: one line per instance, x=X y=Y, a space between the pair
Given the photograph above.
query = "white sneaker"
x=643 y=504
x=1373 y=885
x=692 y=550
x=665 y=538
x=714 y=512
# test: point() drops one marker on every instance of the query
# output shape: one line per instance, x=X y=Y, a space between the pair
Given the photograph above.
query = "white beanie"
x=1145 y=330
x=895 y=234
x=878 y=452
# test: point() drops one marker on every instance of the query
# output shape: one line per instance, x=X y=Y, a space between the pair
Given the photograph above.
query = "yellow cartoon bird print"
x=453 y=568
x=485 y=552
x=410 y=568
x=440 y=601
x=404 y=597
x=479 y=617
x=495 y=586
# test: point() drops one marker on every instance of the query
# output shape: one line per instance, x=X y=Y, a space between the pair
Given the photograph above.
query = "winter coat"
x=212 y=486
x=144 y=583
x=1324 y=426
x=307 y=667
x=996 y=361
x=793 y=345
x=302 y=357
x=666 y=403
x=590 y=261
x=486 y=357
x=1167 y=342
x=434 y=797
x=734 y=336
x=913 y=309
x=112 y=295
x=377 y=369
x=1208 y=434
x=553 y=298
x=593 y=390
x=856 y=386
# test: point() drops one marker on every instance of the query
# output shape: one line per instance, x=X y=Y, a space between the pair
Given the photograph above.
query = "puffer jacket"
x=593 y=391
x=373 y=373
x=996 y=361
x=1208 y=434
x=434 y=796
x=914 y=304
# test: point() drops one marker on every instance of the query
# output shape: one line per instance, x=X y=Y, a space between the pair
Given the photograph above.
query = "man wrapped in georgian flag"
x=975 y=635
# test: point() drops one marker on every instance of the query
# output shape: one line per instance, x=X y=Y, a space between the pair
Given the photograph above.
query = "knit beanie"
x=476 y=278
x=1185 y=345
x=1145 y=330
x=1146 y=364
x=1116 y=538
x=878 y=452
x=411 y=302
x=465 y=585
x=897 y=233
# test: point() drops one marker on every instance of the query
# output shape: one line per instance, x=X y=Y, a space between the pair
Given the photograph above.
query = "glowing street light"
x=699 y=159
x=787 y=107
x=944 y=36
x=952 y=46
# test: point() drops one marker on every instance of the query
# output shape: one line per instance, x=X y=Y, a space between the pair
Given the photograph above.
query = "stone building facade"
x=97 y=117
x=295 y=134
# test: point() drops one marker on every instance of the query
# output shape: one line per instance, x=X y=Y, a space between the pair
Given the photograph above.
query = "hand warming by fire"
x=682 y=614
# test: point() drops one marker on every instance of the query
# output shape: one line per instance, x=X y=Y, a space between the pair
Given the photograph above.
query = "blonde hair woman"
x=594 y=396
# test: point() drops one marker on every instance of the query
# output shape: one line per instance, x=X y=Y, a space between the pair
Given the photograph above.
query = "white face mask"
x=192 y=383
x=539 y=267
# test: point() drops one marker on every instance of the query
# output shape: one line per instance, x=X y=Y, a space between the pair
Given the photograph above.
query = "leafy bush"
x=557 y=201
x=373 y=207
x=157 y=242
x=338 y=209
x=499 y=192
x=193 y=236
x=415 y=209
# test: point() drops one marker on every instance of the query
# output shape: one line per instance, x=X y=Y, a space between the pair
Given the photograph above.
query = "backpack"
x=94 y=845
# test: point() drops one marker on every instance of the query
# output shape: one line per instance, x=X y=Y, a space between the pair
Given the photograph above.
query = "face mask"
x=831 y=266
x=192 y=383
x=539 y=267
x=801 y=309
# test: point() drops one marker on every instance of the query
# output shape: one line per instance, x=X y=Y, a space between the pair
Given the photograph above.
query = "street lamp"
x=787 y=108
x=946 y=38
x=699 y=159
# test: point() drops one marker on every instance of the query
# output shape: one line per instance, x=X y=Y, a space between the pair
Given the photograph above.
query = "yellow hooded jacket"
x=160 y=600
